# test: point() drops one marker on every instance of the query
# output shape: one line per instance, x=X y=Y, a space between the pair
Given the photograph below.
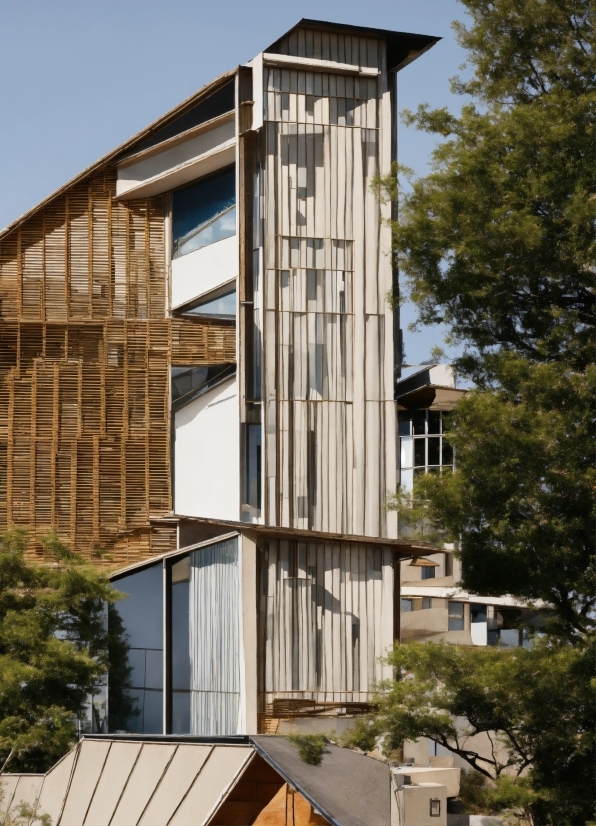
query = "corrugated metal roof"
x=348 y=788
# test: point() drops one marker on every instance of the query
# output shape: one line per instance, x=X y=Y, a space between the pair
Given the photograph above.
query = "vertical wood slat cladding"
x=85 y=354
x=327 y=328
x=322 y=613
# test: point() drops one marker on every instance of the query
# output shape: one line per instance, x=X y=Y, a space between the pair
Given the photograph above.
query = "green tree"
x=499 y=243
x=534 y=707
x=498 y=240
x=54 y=650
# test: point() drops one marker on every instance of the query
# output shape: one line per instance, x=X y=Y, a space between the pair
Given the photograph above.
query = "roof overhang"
x=401 y=547
x=431 y=397
x=402 y=47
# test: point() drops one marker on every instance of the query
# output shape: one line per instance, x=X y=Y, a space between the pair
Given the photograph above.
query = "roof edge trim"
x=196 y=97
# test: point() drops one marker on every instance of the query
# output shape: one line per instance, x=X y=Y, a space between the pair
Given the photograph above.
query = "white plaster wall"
x=204 y=269
x=206 y=455
x=161 y=162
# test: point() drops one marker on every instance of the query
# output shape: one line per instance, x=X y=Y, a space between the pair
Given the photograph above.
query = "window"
x=221 y=307
x=456 y=616
x=406 y=605
x=136 y=687
x=205 y=666
x=428 y=572
x=204 y=212
x=477 y=613
x=427 y=602
x=188 y=383
x=423 y=446
x=218 y=103
x=435 y=807
x=252 y=479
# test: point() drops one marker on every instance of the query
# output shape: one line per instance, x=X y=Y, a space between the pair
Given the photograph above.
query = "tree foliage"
x=498 y=240
x=534 y=707
x=54 y=650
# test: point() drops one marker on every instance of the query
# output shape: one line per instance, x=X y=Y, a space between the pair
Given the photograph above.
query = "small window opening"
x=435 y=807
x=456 y=616
x=204 y=212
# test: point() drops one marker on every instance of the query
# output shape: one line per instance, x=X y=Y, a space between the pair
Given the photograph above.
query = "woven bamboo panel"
x=85 y=356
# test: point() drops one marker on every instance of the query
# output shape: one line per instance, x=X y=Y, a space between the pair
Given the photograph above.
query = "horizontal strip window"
x=220 y=102
x=219 y=304
x=188 y=383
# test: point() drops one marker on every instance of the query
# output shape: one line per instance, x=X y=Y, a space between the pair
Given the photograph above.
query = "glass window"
x=406 y=479
x=136 y=683
x=190 y=382
x=419 y=452
x=252 y=491
x=419 y=422
x=204 y=212
x=434 y=421
x=216 y=104
x=223 y=306
x=456 y=616
x=205 y=671
x=406 y=605
x=434 y=450
x=427 y=602
x=428 y=572
x=406 y=446
x=404 y=423
x=477 y=613
x=447 y=452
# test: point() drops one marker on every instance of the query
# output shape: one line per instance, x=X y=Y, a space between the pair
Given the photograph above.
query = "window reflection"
x=136 y=690
x=204 y=212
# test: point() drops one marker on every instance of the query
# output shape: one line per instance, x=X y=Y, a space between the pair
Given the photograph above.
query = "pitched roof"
x=402 y=47
x=145 y=133
x=348 y=788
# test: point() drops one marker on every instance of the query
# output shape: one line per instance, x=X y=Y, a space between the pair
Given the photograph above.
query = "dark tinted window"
x=204 y=213
x=136 y=697
x=216 y=104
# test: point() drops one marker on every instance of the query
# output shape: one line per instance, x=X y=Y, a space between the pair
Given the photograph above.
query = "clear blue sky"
x=80 y=77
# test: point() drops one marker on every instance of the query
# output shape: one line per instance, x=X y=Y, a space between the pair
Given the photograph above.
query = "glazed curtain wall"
x=203 y=637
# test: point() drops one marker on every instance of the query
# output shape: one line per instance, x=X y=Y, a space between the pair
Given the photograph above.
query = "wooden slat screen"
x=85 y=355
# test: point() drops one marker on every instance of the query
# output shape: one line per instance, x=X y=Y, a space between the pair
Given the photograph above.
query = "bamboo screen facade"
x=85 y=355
x=327 y=376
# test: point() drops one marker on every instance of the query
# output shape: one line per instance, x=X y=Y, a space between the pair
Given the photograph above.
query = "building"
x=161 y=781
x=432 y=606
x=198 y=368
x=200 y=382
